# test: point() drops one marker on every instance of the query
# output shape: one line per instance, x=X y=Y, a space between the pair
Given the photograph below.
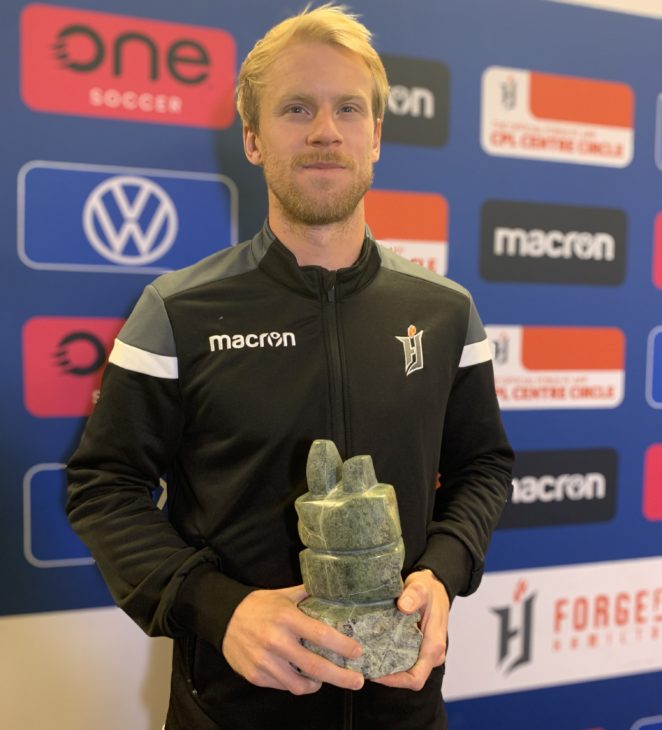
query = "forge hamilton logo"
x=130 y=220
x=500 y=345
x=552 y=244
x=413 y=347
x=508 y=93
x=562 y=488
x=417 y=108
x=91 y=63
x=515 y=646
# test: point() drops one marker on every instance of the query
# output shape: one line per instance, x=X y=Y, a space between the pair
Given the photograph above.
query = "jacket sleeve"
x=167 y=586
x=475 y=468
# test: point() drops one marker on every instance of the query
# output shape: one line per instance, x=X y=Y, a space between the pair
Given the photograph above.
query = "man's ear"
x=251 y=146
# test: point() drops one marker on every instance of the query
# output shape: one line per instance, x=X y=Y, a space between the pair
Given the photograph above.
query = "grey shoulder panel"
x=393 y=262
x=475 y=330
x=148 y=326
x=221 y=265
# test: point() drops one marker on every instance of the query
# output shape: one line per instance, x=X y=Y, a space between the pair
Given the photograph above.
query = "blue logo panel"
x=48 y=540
x=658 y=131
x=96 y=218
x=654 y=369
x=648 y=723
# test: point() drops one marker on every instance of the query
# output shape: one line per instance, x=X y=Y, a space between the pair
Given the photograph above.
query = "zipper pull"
x=330 y=278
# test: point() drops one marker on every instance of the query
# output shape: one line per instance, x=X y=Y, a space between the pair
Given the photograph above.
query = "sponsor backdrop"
x=522 y=156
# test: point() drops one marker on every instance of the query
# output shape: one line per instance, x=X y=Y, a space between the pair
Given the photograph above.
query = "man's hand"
x=424 y=593
x=262 y=643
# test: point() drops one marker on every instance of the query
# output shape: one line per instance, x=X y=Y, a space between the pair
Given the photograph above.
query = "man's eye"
x=348 y=108
x=296 y=109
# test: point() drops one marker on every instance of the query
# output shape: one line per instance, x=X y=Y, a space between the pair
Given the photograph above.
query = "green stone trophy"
x=353 y=559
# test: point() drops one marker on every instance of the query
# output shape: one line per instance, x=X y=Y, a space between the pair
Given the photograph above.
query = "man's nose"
x=324 y=128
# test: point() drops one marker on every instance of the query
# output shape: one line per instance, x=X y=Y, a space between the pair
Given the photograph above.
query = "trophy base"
x=390 y=638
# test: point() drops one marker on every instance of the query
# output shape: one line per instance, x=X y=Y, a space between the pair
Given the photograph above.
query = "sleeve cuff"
x=205 y=602
x=450 y=561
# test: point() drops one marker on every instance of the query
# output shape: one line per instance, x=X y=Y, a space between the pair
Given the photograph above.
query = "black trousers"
x=206 y=694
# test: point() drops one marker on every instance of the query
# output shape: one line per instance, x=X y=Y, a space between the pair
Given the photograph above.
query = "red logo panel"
x=657 y=252
x=652 y=503
x=63 y=360
x=414 y=225
x=573 y=348
x=105 y=65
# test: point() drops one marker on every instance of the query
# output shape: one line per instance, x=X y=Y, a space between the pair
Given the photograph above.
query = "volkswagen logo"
x=130 y=220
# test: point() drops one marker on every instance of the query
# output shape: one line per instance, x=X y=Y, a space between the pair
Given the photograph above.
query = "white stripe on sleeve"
x=476 y=353
x=141 y=361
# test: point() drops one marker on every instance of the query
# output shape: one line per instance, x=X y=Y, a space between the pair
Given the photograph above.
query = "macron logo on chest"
x=217 y=343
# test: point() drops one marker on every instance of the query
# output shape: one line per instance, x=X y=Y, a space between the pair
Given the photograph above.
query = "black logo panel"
x=552 y=244
x=417 y=109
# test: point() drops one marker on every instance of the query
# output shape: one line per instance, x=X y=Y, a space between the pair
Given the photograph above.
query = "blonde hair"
x=330 y=24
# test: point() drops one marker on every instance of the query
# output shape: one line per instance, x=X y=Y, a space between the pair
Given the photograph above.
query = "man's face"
x=318 y=138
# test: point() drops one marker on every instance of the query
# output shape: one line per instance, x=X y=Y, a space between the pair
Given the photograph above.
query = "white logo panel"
x=509 y=127
x=528 y=629
x=521 y=388
x=431 y=255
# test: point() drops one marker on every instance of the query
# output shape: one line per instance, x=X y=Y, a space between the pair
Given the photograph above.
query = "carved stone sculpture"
x=352 y=562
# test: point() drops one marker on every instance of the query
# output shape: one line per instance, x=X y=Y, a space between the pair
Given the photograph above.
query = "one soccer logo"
x=413 y=347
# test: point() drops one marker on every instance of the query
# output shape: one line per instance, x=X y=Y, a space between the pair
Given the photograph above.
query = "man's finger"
x=412 y=599
x=278 y=674
x=324 y=636
x=433 y=645
x=414 y=678
x=318 y=668
x=292 y=680
x=296 y=594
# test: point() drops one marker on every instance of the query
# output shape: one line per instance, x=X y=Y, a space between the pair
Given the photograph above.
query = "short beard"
x=310 y=210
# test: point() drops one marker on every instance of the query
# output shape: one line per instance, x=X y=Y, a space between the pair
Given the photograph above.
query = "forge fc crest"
x=413 y=347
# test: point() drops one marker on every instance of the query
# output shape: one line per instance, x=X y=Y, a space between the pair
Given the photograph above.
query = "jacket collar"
x=279 y=263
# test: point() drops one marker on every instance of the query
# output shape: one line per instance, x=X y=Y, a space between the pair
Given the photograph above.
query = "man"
x=228 y=370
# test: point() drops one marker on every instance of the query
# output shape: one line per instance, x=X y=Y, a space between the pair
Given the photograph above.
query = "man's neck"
x=333 y=246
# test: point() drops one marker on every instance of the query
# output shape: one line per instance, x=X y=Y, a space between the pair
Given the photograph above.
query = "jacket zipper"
x=337 y=399
x=348 y=710
x=339 y=431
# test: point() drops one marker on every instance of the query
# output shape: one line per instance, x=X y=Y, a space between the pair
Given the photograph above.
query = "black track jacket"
x=222 y=377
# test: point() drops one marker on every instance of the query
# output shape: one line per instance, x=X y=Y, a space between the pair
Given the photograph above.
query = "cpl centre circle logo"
x=130 y=220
